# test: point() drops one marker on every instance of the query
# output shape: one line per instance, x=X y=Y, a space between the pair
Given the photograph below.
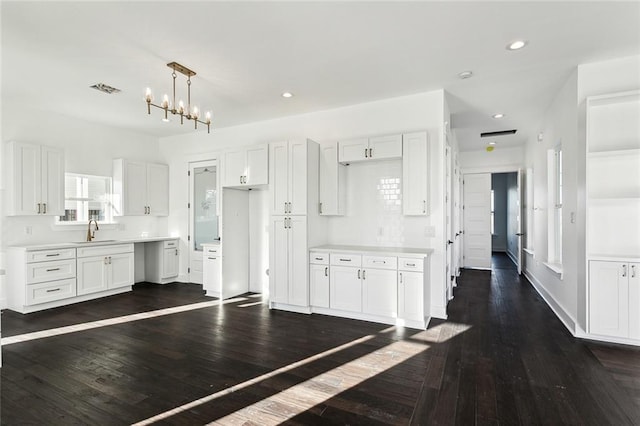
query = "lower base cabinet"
x=104 y=268
x=319 y=285
x=410 y=295
x=345 y=289
x=379 y=292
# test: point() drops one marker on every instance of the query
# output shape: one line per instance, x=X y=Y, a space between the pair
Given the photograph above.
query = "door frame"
x=511 y=168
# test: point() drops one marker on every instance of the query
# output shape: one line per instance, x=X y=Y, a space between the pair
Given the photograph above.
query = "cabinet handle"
x=624 y=271
x=379 y=261
x=424 y=206
x=318 y=258
x=364 y=277
x=39 y=208
x=176 y=252
x=240 y=178
x=106 y=260
x=358 y=273
x=320 y=208
x=149 y=207
x=365 y=153
x=326 y=271
x=400 y=277
x=53 y=289
x=285 y=207
x=53 y=269
x=633 y=271
x=290 y=208
x=44 y=208
x=212 y=258
x=411 y=264
x=345 y=260
x=52 y=255
x=370 y=152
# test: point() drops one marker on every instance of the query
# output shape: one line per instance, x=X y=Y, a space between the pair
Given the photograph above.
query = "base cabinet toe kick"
x=385 y=285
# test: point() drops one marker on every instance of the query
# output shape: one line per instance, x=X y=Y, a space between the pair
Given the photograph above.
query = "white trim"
x=512 y=257
x=492 y=169
x=529 y=251
x=555 y=267
x=290 y=308
x=610 y=339
x=3 y=303
x=569 y=322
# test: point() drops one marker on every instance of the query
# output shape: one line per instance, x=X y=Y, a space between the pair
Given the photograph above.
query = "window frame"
x=555 y=214
x=109 y=216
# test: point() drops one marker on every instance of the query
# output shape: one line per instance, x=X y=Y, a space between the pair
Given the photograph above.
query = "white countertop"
x=392 y=251
x=94 y=243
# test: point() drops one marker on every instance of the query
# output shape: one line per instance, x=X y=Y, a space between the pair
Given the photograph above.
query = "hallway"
x=502 y=357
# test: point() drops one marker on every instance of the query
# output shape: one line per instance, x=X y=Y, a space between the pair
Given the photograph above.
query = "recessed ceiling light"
x=287 y=95
x=492 y=143
x=517 y=44
x=465 y=74
x=498 y=115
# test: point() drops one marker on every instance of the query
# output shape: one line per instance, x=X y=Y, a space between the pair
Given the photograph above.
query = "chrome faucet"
x=92 y=235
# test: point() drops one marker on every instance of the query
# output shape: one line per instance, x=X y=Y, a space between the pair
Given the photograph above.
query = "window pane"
x=204 y=199
x=87 y=197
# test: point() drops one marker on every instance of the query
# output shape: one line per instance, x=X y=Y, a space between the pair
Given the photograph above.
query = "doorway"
x=504 y=218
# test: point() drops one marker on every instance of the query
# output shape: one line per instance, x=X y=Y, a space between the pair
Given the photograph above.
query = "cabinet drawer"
x=410 y=264
x=48 y=292
x=380 y=262
x=346 y=259
x=47 y=255
x=105 y=250
x=316 y=258
x=50 y=271
x=171 y=244
x=212 y=251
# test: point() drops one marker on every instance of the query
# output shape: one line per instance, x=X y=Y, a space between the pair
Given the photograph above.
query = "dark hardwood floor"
x=502 y=357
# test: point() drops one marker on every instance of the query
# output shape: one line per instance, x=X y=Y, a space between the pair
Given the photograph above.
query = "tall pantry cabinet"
x=294 y=223
x=613 y=209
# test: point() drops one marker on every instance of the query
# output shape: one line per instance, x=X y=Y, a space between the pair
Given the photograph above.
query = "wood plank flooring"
x=502 y=357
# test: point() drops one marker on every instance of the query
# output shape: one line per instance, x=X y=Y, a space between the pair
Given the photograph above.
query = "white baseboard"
x=3 y=303
x=513 y=258
x=569 y=322
x=609 y=339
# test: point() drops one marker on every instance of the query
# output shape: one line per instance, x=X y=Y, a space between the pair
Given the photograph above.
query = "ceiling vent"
x=499 y=133
x=105 y=88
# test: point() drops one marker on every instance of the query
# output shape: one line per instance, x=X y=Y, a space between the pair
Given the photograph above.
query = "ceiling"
x=329 y=54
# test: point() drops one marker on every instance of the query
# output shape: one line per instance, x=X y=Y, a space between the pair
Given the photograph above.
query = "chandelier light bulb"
x=165 y=102
x=148 y=96
x=195 y=113
x=208 y=117
x=180 y=107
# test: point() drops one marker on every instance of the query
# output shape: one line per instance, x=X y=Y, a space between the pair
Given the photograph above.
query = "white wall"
x=498 y=160
x=417 y=112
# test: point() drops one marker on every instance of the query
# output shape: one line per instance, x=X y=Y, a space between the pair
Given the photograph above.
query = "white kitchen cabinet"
x=332 y=192
x=212 y=270
x=247 y=166
x=104 y=268
x=319 y=279
x=288 y=177
x=380 y=292
x=614 y=299
x=372 y=148
x=288 y=263
x=410 y=295
x=415 y=174
x=345 y=288
x=140 y=188
x=161 y=261
x=35 y=180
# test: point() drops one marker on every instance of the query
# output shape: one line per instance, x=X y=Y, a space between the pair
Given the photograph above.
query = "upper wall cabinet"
x=374 y=148
x=332 y=181
x=35 y=180
x=415 y=176
x=140 y=188
x=247 y=166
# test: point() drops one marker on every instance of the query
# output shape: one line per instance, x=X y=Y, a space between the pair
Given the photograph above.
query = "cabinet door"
x=92 y=274
x=298 y=261
x=279 y=260
x=634 y=301
x=385 y=147
x=279 y=178
x=257 y=171
x=608 y=299
x=212 y=275
x=121 y=270
x=233 y=167
x=52 y=192
x=158 y=189
x=169 y=263
x=345 y=289
x=298 y=177
x=26 y=179
x=410 y=295
x=331 y=194
x=135 y=188
x=415 y=174
x=380 y=292
x=352 y=150
x=319 y=285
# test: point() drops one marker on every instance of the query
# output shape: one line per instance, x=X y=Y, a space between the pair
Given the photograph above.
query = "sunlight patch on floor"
x=113 y=321
x=251 y=382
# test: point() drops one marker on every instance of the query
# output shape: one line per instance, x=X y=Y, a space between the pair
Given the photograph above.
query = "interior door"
x=448 y=218
x=204 y=199
x=457 y=214
x=521 y=213
x=477 y=220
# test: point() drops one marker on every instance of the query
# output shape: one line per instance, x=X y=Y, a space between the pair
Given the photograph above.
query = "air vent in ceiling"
x=500 y=133
x=105 y=88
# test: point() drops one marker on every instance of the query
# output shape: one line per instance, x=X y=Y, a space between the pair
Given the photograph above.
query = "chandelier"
x=190 y=112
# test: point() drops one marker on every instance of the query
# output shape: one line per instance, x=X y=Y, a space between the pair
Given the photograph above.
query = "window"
x=86 y=197
x=554 y=162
